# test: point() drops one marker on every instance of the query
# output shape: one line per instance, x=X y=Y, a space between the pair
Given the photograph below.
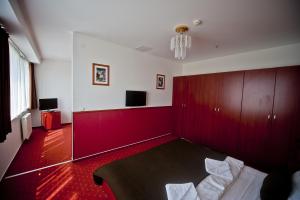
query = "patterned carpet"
x=44 y=148
x=71 y=180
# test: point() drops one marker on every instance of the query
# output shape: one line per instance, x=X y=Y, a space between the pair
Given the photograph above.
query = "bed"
x=144 y=176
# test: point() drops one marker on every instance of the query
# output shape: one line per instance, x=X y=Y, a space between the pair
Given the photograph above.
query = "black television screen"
x=135 y=98
x=48 y=104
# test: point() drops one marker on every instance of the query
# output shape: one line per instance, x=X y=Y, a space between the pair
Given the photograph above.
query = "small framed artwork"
x=100 y=74
x=160 y=81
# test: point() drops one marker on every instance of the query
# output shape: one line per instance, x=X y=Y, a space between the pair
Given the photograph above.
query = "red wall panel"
x=97 y=131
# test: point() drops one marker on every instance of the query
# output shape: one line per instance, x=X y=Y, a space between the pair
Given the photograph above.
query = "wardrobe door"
x=284 y=116
x=206 y=108
x=190 y=109
x=256 y=113
x=179 y=101
x=295 y=147
x=229 y=104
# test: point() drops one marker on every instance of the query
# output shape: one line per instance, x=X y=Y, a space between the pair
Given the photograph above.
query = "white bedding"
x=218 y=168
x=222 y=175
x=247 y=186
x=186 y=191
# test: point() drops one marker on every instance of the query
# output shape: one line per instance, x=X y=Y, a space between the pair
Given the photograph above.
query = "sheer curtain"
x=19 y=83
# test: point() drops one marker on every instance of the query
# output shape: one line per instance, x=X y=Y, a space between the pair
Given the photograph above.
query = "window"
x=19 y=83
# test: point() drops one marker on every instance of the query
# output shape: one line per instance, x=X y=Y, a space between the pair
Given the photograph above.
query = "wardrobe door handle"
x=269 y=116
x=218 y=109
x=215 y=109
x=274 y=117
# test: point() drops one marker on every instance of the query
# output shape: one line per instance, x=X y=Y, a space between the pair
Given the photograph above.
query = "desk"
x=51 y=119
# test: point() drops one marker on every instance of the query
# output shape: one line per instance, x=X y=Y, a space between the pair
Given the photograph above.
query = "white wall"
x=129 y=70
x=265 y=58
x=10 y=146
x=53 y=80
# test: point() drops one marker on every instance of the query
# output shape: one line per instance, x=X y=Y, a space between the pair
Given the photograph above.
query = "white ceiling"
x=12 y=18
x=235 y=25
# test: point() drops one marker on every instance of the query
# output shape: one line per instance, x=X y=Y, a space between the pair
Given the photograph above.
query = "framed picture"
x=100 y=74
x=160 y=81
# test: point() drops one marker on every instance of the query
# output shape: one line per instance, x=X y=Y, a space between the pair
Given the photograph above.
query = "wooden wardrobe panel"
x=190 y=109
x=229 y=104
x=206 y=100
x=295 y=148
x=280 y=144
x=257 y=105
x=179 y=99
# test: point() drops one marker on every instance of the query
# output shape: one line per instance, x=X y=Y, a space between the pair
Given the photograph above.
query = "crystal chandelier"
x=181 y=42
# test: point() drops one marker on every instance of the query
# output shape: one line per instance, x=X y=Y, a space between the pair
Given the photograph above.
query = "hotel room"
x=149 y=100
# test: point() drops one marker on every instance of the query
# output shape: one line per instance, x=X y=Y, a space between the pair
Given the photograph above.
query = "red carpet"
x=72 y=180
x=42 y=149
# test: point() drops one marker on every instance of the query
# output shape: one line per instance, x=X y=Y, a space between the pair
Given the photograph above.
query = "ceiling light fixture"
x=181 y=41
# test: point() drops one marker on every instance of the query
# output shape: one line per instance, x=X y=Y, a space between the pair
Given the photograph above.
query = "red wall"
x=97 y=131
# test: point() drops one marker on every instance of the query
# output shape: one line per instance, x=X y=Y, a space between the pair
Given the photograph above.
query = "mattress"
x=144 y=176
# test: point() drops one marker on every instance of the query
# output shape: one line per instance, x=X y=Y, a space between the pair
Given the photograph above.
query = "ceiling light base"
x=181 y=28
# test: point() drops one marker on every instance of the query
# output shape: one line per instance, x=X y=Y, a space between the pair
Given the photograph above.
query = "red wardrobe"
x=250 y=114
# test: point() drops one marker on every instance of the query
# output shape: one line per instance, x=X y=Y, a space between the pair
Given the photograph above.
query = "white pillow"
x=295 y=195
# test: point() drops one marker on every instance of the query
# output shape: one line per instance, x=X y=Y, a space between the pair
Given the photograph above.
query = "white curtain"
x=19 y=83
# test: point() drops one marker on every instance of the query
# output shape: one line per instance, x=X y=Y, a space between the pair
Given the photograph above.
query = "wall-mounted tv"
x=48 y=104
x=136 y=98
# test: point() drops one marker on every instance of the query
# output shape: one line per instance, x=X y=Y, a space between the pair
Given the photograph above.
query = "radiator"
x=26 y=126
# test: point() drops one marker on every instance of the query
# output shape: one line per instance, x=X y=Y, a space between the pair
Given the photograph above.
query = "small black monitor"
x=47 y=104
x=136 y=98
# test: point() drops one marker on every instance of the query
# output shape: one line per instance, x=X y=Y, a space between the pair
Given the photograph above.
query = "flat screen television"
x=48 y=104
x=136 y=98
